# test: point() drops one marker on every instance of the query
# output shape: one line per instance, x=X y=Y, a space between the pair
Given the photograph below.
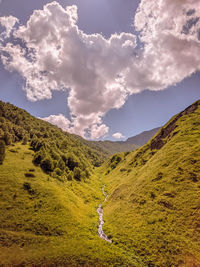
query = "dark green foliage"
x=77 y=173
x=8 y=138
x=47 y=164
x=58 y=171
x=115 y=161
x=37 y=158
x=53 y=148
x=27 y=187
x=71 y=162
x=61 y=164
x=25 y=140
x=29 y=175
x=70 y=176
x=2 y=151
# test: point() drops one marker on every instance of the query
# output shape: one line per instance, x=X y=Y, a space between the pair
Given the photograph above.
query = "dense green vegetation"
x=58 y=153
x=154 y=204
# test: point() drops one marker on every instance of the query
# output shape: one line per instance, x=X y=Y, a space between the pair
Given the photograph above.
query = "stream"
x=101 y=222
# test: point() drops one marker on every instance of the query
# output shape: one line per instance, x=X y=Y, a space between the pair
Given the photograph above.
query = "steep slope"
x=154 y=204
x=55 y=151
x=46 y=222
x=49 y=197
x=142 y=138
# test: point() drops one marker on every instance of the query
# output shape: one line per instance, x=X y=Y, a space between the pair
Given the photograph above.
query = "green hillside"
x=50 y=189
x=154 y=204
x=49 y=197
x=58 y=153
x=48 y=222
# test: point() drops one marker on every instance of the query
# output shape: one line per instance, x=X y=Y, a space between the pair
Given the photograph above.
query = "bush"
x=8 y=138
x=25 y=140
x=71 y=162
x=28 y=188
x=29 y=174
x=47 y=165
x=77 y=173
x=70 y=176
x=58 y=171
x=38 y=157
x=31 y=170
x=2 y=151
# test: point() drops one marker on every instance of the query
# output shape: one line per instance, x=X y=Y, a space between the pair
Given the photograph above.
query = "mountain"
x=143 y=137
x=50 y=190
x=112 y=147
x=153 y=209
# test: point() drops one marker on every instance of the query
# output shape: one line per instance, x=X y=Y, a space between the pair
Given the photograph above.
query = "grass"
x=48 y=222
x=154 y=204
x=152 y=212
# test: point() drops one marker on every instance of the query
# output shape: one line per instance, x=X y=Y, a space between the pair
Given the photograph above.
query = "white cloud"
x=98 y=131
x=101 y=73
x=118 y=136
x=8 y=23
x=59 y=120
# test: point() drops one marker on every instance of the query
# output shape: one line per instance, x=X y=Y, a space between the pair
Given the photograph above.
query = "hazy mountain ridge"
x=142 y=138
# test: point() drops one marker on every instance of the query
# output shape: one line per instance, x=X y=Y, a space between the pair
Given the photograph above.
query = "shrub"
x=70 y=176
x=61 y=164
x=77 y=173
x=28 y=188
x=37 y=158
x=58 y=171
x=71 y=162
x=31 y=170
x=8 y=138
x=25 y=140
x=2 y=151
x=29 y=174
x=47 y=164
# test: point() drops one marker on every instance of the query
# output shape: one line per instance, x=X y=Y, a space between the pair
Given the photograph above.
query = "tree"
x=2 y=151
x=25 y=140
x=77 y=173
x=8 y=138
x=47 y=164
x=71 y=162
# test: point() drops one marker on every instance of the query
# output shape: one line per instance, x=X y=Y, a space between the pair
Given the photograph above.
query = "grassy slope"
x=53 y=223
x=154 y=204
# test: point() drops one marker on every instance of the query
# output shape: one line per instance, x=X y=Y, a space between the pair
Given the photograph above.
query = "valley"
x=53 y=188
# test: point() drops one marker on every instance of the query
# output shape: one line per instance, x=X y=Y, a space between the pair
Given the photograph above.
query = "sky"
x=103 y=69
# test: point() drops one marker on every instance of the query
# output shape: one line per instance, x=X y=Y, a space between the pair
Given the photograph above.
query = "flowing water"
x=101 y=222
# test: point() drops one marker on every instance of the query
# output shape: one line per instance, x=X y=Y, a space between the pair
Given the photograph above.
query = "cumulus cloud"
x=118 y=136
x=52 y=53
x=8 y=24
x=59 y=120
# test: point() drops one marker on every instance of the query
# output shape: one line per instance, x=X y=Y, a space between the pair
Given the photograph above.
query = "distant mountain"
x=111 y=147
x=142 y=138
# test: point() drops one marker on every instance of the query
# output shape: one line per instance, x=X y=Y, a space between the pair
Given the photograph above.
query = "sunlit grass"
x=154 y=204
x=50 y=222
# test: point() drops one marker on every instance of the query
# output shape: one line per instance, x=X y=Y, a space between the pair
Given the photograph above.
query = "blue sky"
x=142 y=111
